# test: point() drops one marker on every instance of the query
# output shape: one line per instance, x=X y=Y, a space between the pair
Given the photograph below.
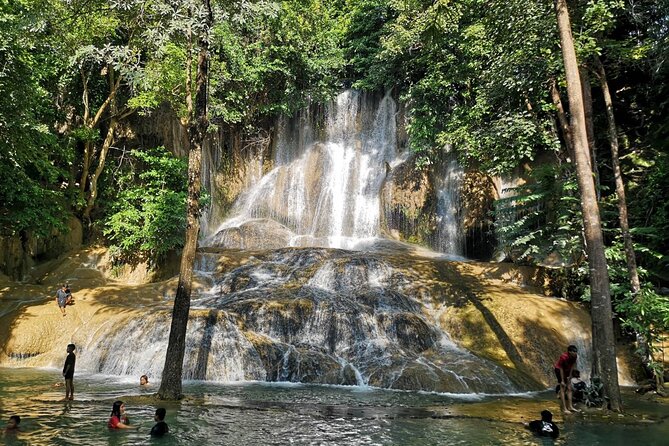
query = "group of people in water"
x=569 y=384
x=118 y=418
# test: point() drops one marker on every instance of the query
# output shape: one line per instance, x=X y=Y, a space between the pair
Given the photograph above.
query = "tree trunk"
x=590 y=125
x=93 y=183
x=603 y=341
x=630 y=256
x=171 y=385
x=89 y=146
x=620 y=185
x=562 y=117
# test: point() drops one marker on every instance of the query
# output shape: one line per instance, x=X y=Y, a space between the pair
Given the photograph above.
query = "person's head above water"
x=117 y=408
x=546 y=415
x=13 y=422
x=160 y=414
x=143 y=380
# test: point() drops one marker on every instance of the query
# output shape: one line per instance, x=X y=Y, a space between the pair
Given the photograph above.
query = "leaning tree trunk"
x=171 y=385
x=603 y=341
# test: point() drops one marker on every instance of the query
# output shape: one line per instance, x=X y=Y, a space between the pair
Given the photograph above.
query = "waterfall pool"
x=294 y=414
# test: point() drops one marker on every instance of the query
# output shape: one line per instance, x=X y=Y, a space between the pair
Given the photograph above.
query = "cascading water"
x=321 y=192
x=449 y=236
x=293 y=305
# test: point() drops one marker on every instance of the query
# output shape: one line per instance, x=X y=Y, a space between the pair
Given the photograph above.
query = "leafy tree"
x=171 y=384
x=32 y=178
x=147 y=218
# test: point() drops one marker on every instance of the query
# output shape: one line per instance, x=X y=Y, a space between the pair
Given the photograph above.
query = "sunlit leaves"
x=147 y=218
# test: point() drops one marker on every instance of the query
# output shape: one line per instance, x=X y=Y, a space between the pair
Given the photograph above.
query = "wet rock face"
x=254 y=233
x=337 y=317
x=21 y=252
x=408 y=203
x=390 y=319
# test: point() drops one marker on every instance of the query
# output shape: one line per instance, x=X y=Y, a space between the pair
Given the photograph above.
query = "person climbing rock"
x=564 y=367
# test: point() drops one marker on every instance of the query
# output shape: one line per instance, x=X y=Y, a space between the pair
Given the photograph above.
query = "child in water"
x=118 y=418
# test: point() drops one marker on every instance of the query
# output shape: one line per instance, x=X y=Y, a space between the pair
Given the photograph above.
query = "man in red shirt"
x=563 y=372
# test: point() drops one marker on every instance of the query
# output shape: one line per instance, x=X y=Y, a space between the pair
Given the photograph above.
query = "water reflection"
x=270 y=414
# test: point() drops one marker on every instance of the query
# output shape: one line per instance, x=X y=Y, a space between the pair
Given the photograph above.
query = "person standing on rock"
x=564 y=368
x=63 y=297
x=68 y=372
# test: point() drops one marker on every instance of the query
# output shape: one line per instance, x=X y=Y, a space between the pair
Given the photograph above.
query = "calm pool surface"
x=294 y=414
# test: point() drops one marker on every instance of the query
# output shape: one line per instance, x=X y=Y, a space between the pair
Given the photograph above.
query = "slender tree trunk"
x=590 y=125
x=562 y=117
x=102 y=157
x=89 y=146
x=106 y=144
x=630 y=256
x=171 y=385
x=620 y=185
x=603 y=341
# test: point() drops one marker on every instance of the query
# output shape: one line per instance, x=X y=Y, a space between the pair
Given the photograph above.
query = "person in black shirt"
x=161 y=427
x=545 y=427
x=68 y=372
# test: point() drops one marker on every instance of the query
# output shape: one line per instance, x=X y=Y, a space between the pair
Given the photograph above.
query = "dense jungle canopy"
x=485 y=77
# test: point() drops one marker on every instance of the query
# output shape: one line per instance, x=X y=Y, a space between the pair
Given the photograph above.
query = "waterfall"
x=449 y=236
x=324 y=187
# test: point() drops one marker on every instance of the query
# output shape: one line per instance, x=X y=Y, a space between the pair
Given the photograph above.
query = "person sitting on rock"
x=70 y=297
x=545 y=427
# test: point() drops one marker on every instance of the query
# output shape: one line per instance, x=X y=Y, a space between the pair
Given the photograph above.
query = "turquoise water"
x=294 y=414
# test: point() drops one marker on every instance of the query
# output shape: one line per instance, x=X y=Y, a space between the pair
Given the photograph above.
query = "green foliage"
x=148 y=217
x=274 y=61
x=32 y=180
x=542 y=218
x=647 y=315
x=364 y=25
x=474 y=74
x=650 y=214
